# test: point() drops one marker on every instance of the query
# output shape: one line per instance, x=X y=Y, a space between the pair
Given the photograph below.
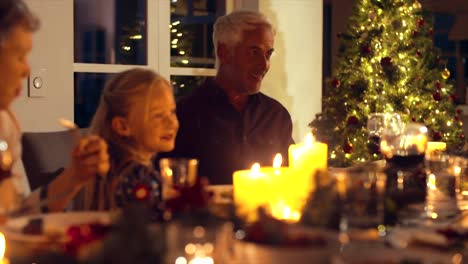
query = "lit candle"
x=251 y=190
x=305 y=159
x=433 y=146
x=260 y=186
x=3 y=260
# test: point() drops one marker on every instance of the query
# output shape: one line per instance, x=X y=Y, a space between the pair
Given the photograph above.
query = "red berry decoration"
x=413 y=119
x=418 y=53
x=436 y=135
x=437 y=96
x=335 y=83
x=352 y=120
x=141 y=192
x=348 y=147
x=386 y=61
x=438 y=84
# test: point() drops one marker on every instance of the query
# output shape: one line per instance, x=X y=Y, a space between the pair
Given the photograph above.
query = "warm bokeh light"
x=2 y=246
x=282 y=211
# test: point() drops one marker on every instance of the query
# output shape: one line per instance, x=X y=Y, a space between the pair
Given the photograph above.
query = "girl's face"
x=154 y=124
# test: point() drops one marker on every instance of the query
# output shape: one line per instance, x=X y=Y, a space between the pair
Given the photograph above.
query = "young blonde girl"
x=136 y=116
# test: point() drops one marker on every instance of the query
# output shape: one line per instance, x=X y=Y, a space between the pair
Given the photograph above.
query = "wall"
x=295 y=76
x=53 y=51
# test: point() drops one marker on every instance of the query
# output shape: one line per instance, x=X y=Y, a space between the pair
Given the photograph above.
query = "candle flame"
x=277 y=161
x=2 y=246
x=255 y=170
x=309 y=140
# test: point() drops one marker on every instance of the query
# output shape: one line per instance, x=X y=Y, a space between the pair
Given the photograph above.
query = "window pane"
x=443 y=22
x=191 y=32
x=112 y=32
x=184 y=85
x=442 y=42
x=88 y=88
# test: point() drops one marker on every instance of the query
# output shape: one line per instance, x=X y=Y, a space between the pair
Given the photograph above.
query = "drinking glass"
x=361 y=191
x=376 y=124
x=179 y=172
x=443 y=173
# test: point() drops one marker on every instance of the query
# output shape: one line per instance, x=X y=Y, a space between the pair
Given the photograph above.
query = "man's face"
x=249 y=60
x=14 y=66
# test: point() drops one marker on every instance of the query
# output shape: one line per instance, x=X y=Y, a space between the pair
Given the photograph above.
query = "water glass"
x=443 y=173
x=362 y=191
x=178 y=173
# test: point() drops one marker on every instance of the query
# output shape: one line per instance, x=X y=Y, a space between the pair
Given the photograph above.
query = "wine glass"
x=376 y=124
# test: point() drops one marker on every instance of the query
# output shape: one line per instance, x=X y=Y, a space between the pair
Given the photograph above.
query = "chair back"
x=44 y=153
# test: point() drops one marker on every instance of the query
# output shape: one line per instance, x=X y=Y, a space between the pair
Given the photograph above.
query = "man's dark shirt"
x=225 y=140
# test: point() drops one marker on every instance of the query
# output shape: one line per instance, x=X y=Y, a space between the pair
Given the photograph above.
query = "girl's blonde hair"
x=119 y=95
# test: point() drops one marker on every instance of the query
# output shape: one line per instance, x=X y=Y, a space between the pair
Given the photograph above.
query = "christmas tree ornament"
x=366 y=50
x=335 y=83
x=445 y=74
x=438 y=85
x=459 y=111
x=454 y=97
x=437 y=96
x=436 y=136
x=386 y=62
x=421 y=22
x=462 y=136
x=418 y=53
x=456 y=118
x=352 y=121
x=347 y=147
x=417 y=5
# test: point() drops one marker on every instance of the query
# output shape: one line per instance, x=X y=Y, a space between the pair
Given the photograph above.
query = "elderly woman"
x=17 y=24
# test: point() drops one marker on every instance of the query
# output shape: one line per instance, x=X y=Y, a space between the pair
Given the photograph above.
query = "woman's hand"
x=89 y=159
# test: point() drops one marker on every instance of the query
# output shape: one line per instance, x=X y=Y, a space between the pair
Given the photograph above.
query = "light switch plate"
x=37 y=83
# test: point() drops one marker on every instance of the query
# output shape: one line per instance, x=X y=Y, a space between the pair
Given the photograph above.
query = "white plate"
x=54 y=225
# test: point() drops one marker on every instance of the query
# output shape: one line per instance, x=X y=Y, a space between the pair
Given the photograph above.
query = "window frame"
x=158 y=45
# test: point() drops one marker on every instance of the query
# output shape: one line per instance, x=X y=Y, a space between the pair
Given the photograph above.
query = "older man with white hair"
x=227 y=123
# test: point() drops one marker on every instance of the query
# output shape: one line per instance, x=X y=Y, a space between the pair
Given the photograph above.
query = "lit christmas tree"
x=387 y=64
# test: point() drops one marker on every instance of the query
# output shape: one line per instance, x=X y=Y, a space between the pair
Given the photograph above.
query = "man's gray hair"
x=228 y=29
x=14 y=13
